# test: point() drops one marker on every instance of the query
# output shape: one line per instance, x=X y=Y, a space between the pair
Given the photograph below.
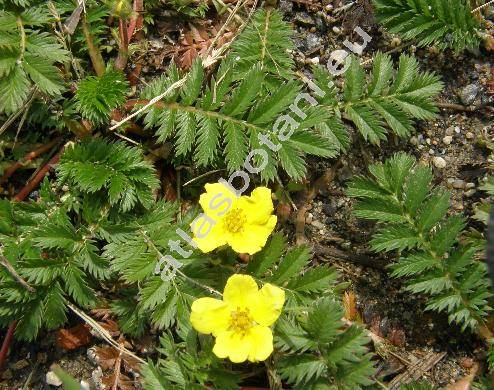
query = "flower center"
x=241 y=321
x=235 y=220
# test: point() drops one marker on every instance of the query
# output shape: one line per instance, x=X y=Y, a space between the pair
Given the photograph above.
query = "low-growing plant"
x=413 y=220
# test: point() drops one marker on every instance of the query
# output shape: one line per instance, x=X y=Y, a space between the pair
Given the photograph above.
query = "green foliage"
x=28 y=56
x=97 y=96
x=444 y=23
x=389 y=100
x=264 y=41
x=115 y=171
x=413 y=220
x=188 y=364
x=57 y=259
x=224 y=120
x=322 y=351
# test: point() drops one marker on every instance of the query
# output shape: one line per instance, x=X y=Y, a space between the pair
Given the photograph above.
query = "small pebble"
x=19 y=365
x=447 y=140
x=469 y=186
x=469 y=135
x=432 y=152
x=470 y=193
x=336 y=30
x=469 y=93
x=317 y=224
x=52 y=379
x=395 y=42
x=459 y=184
x=428 y=141
x=414 y=141
x=450 y=130
x=457 y=130
x=439 y=162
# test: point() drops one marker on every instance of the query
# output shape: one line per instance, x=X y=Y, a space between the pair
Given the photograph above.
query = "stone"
x=312 y=41
x=450 y=130
x=459 y=184
x=304 y=19
x=469 y=93
x=414 y=140
x=469 y=135
x=469 y=186
x=19 y=365
x=285 y=6
x=470 y=193
x=447 y=140
x=52 y=379
x=317 y=224
x=336 y=30
x=439 y=162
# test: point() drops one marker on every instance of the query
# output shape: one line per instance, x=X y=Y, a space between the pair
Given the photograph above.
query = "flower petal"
x=215 y=238
x=258 y=207
x=253 y=237
x=261 y=343
x=232 y=345
x=209 y=315
x=267 y=307
x=217 y=200
x=239 y=291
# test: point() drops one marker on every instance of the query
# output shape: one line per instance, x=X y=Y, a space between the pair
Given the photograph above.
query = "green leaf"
x=314 y=280
x=369 y=125
x=291 y=265
x=299 y=369
x=13 y=90
x=236 y=146
x=193 y=84
x=354 y=81
x=395 y=237
x=45 y=75
x=447 y=234
x=433 y=210
x=270 y=254
x=324 y=320
x=245 y=93
x=417 y=188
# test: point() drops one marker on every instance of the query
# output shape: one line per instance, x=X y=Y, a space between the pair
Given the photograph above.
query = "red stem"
x=6 y=344
x=29 y=187
x=136 y=21
x=27 y=159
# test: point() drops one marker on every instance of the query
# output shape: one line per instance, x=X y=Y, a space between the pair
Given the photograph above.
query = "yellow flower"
x=241 y=321
x=244 y=222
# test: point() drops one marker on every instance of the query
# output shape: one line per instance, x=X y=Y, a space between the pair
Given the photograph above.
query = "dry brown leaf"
x=195 y=41
x=119 y=381
x=350 y=306
x=73 y=338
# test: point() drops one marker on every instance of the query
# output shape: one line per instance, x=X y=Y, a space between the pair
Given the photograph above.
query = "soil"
x=383 y=306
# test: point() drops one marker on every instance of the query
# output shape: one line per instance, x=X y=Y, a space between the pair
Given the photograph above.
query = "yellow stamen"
x=241 y=321
x=235 y=220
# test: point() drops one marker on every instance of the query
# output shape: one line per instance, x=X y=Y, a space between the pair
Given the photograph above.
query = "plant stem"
x=28 y=158
x=6 y=344
x=29 y=187
x=94 y=52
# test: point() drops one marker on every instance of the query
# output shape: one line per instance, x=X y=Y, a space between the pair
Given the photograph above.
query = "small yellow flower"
x=241 y=321
x=244 y=222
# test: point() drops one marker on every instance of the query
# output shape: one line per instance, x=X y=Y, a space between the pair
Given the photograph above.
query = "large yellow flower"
x=241 y=321
x=244 y=222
